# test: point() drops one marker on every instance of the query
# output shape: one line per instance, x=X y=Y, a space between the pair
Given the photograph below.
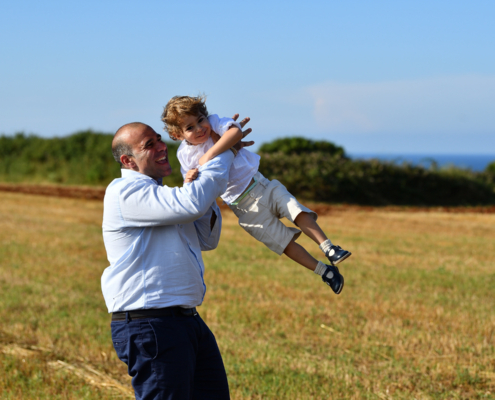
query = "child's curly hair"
x=178 y=107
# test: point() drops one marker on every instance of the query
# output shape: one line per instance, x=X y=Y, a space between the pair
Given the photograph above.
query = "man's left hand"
x=191 y=175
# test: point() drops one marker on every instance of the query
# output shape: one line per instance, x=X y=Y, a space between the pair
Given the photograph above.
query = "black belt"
x=153 y=313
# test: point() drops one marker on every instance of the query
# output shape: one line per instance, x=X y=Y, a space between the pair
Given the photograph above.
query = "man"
x=154 y=236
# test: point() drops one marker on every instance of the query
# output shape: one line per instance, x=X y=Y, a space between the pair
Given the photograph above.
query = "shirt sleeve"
x=221 y=125
x=208 y=237
x=144 y=203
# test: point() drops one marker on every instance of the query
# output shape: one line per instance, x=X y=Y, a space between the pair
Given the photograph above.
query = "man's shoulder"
x=129 y=179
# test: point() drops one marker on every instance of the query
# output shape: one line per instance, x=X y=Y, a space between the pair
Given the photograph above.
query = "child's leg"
x=308 y=225
x=310 y=228
x=329 y=273
x=299 y=254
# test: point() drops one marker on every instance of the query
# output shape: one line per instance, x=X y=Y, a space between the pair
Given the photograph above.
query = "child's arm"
x=229 y=139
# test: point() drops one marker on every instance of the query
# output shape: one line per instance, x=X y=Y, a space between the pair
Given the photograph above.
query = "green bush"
x=331 y=177
x=84 y=158
x=311 y=170
x=300 y=145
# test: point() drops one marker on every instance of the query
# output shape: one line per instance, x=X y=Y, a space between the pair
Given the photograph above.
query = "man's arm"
x=143 y=203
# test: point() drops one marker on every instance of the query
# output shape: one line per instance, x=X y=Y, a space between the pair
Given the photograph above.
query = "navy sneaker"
x=336 y=282
x=337 y=254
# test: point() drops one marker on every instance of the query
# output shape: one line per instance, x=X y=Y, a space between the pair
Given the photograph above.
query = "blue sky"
x=374 y=77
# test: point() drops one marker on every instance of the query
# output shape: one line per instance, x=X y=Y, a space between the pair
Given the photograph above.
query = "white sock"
x=325 y=246
x=321 y=269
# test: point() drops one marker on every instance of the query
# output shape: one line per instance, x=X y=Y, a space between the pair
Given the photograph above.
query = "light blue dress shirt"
x=154 y=236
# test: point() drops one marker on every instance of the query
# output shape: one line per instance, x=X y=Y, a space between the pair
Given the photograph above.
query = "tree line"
x=312 y=170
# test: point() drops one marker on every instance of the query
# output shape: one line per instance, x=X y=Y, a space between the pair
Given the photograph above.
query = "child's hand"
x=240 y=144
x=191 y=175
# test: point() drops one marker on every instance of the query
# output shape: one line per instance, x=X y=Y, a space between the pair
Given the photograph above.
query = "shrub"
x=83 y=158
x=311 y=170
x=333 y=178
x=300 y=145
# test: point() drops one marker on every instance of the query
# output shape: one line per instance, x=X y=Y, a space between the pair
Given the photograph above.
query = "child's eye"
x=200 y=119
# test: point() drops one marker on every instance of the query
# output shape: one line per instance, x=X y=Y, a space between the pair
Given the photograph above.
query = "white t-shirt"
x=243 y=168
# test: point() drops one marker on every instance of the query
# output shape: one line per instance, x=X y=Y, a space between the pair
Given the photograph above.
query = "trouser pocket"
x=120 y=340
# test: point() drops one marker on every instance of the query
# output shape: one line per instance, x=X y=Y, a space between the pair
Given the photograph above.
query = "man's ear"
x=127 y=161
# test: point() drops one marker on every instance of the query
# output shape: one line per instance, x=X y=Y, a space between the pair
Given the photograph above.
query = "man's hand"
x=240 y=144
x=191 y=175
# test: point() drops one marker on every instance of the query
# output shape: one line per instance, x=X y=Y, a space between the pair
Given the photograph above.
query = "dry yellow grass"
x=415 y=319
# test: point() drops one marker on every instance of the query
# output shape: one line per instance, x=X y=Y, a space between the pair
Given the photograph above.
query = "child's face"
x=196 y=129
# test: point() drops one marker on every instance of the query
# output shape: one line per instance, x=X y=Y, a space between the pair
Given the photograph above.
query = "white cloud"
x=453 y=104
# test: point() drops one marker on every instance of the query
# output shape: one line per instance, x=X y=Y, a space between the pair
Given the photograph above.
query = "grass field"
x=416 y=319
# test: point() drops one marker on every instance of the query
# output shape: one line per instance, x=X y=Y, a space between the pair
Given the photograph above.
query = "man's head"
x=179 y=108
x=138 y=147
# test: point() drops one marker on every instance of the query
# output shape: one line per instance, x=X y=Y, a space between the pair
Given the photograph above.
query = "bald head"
x=136 y=146
x=123 y=139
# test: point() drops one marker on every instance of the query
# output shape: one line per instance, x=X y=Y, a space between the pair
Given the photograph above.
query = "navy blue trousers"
x=172 y=357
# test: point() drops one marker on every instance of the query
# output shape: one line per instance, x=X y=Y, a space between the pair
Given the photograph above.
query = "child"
x=258 y=202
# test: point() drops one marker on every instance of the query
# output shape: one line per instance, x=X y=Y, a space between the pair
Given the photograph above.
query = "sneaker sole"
x=342 y=287
x=342 y=259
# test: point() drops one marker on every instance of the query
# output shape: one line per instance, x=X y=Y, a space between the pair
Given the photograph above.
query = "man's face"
x=149 y=153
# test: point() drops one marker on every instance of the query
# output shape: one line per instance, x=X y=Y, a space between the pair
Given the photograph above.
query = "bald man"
x=154 y=236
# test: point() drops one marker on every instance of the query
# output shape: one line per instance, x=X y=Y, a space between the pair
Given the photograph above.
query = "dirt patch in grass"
x=75 y=192
x=97 y=193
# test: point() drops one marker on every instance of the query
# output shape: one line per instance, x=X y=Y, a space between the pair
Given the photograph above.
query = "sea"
x=477 y=162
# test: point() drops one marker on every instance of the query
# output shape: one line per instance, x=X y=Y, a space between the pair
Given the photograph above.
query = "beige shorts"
x=260 y=211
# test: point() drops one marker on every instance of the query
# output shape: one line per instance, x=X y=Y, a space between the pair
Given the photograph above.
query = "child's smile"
x=196 y=129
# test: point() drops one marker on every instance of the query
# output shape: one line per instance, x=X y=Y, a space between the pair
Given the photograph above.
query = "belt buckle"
x=189 y=312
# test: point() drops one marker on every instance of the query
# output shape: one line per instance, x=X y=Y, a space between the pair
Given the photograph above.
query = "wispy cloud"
x=453 y=104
